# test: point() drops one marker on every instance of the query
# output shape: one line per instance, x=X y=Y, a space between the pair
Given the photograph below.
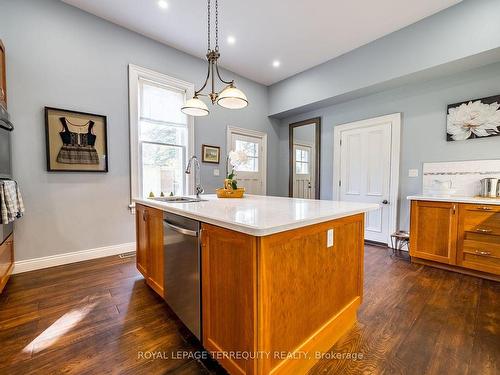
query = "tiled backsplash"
x=464 y=175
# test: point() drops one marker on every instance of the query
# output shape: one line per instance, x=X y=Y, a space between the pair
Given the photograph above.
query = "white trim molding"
x=136 y=73
x=395 y=121
x=251 y=133
x=72 y=257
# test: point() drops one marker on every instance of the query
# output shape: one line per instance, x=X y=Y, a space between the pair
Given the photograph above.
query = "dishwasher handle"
x=187 y=232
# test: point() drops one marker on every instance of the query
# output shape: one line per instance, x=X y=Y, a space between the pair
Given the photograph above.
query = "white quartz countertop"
x=454 y=198
x=261 y=215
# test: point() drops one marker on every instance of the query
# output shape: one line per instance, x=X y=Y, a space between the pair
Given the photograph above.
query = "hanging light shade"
x=232 y=98
x=195 y=107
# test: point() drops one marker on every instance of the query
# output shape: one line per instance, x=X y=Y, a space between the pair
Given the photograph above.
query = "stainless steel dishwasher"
x=182 y=260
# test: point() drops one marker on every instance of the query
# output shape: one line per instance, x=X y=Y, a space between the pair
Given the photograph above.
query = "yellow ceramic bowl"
x=228 y=193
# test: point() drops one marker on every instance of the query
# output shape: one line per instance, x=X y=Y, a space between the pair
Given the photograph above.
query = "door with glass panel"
x=303 y=171
x=163 y=138
x=304 y=158
x=250 y=175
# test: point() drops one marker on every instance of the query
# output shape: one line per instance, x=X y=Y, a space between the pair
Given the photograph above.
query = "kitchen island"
x=281 y=278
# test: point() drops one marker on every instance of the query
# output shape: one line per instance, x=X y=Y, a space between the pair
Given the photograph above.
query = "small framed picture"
x=75 y=141
x=210 y=154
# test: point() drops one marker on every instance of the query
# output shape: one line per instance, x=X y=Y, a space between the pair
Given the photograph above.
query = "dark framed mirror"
x=304 y=159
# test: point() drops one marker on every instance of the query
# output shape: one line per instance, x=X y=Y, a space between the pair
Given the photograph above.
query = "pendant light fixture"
x=230 y=97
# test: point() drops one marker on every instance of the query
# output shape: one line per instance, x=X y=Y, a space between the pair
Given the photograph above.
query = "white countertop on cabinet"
x=258 y=215
x=456 y=199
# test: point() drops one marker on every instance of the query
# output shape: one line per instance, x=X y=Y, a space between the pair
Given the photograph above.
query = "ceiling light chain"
x=230 y=97
x=209 y=26
x=216 y=25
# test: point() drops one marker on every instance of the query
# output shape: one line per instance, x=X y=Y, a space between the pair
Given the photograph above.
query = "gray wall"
x=423 y=127
x=466 y=29
x=63 y=57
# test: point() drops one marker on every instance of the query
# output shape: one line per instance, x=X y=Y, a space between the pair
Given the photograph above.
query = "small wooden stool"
x=399 y=241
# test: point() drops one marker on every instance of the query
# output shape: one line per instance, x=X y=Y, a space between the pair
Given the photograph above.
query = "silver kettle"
x=490 y=187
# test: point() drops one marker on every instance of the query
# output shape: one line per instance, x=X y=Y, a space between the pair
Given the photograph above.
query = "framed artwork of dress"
x=75 y=141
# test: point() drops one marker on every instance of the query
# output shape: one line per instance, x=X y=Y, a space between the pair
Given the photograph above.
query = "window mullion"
x=163 y=144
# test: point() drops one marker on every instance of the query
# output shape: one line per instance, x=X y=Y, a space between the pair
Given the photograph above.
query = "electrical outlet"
x=329 y=238
x=216 y=172
x=412 y=172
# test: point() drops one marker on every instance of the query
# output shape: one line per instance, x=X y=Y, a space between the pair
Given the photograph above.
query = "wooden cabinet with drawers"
x=463 y=237
x=149 y=247
x=479 y=238
x=3 y=77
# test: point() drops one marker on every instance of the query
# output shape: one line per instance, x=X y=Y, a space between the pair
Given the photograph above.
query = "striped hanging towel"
x=11 y=202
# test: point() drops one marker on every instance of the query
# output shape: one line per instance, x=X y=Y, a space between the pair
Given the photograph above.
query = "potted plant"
x=231 y=190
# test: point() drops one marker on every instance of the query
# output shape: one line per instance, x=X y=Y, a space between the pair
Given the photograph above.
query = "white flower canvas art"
x=477 y=118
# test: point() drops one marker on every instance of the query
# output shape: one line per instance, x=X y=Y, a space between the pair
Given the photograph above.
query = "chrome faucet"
x=197 y=175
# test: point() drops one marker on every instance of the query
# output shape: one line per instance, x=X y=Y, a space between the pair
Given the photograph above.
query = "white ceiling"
x=298 y=33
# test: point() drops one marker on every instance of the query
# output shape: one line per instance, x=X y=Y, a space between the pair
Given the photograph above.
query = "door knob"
x=385 y=201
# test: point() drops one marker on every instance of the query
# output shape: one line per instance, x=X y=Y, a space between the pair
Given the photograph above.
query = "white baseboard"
x=73 y=257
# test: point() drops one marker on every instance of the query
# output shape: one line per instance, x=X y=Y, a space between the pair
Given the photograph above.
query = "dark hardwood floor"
x=99 y=317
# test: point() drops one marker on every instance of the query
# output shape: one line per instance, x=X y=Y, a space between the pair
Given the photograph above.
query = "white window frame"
x=135 y=73
x=251 y=133
x=309 y=162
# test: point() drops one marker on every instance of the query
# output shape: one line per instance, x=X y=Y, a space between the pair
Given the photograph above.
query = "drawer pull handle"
x=484 y=208
x=483 y=230
x=482 y=253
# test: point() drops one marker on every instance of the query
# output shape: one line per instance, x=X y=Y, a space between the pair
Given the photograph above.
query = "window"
x=251 y=149
x=301 y=161
x=161 y=135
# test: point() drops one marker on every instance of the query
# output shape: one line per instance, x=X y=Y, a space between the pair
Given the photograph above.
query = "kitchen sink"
x=178 y=199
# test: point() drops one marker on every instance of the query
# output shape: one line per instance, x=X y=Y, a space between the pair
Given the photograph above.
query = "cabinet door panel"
x=229 y=312
x=141 y=239
x=433 y=231
x=155 y=250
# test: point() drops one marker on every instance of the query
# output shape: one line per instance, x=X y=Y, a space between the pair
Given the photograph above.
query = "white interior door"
x=252 y=174
x=365 y=174
x=303 y=171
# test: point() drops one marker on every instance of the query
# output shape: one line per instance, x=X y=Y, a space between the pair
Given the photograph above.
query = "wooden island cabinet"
x=463 y=237
x=283 y=297
x=277 y=295
x=287 y=296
